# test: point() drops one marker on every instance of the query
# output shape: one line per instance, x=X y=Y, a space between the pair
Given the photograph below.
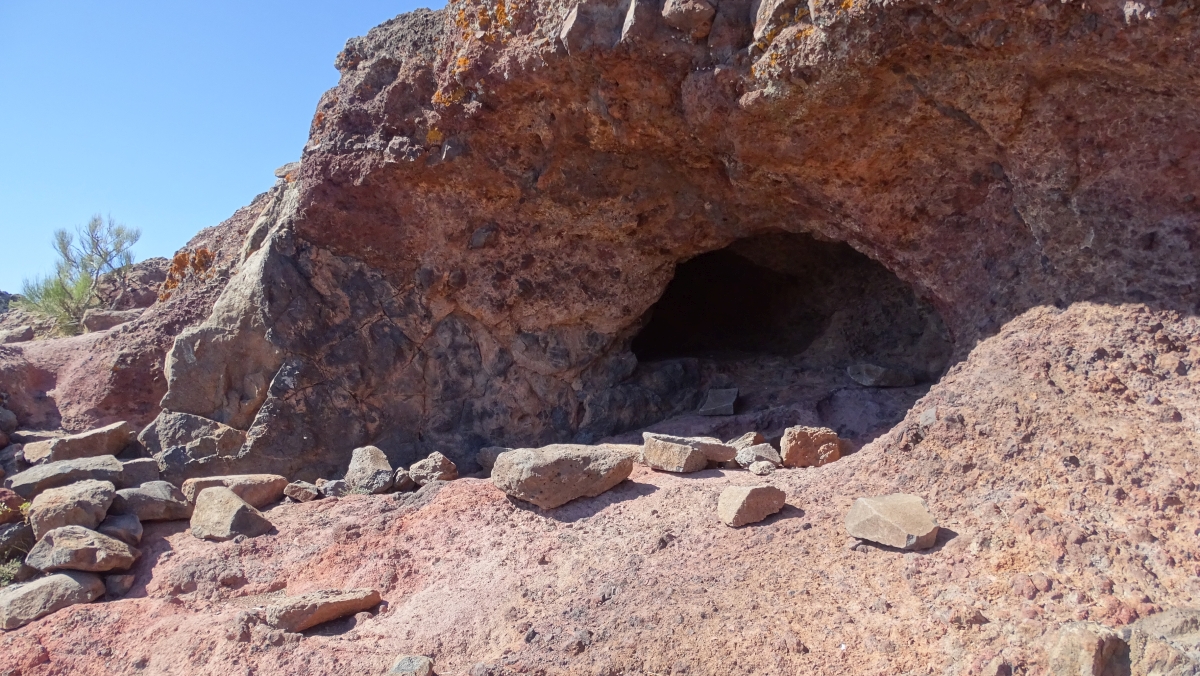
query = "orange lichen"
x=197 y=264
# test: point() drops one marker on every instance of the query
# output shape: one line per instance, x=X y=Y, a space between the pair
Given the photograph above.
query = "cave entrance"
x=792 y=321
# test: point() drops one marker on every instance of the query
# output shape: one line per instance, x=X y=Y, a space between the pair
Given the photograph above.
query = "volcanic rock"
x=138 y=471
x=8 y=421
x=102 y=320
x=109 y=440
x=332 y=489
x=21 y=604
x=870 y=375
x=436 y=467
x=77 y=548
x=221 y=515
x=761 y=468
x=79 y=504
x=713 y=449
x=10 y=506
x=259 y=490
x=758 y=453
x=809 y=446
x=554 y=475
x=304 y=612
x=746 y=441
x=301 y=491
x=412 y=665
x=402 y=481
x=124 y=527
x=741 y=505
x=669 y=456
x=896 y=520
x=693 y=17
x=116 y=586
x=188 y=446
x=719 y=402
x=20 y=334
x=486 y=457
x=152 y=501
x=31 y=482
x=15 y=538
x=1087 y=649
x=369 y=471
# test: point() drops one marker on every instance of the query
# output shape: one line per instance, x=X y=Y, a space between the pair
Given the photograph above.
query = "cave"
x=784 y=318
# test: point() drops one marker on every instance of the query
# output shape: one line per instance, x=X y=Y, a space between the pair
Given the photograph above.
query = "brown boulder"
x=77 y=548
x=259 y=490
x=301 y=491
x=554 y=475
x=102 y=320
x=124 y=527
x=29 y=483
x=670 y=456
x=809 y=446
x=21 y=604
x=369 y=470
x=221 y=515
x=896 y=520
x=304 y=612
x=1088 y=649
x=108 y=440
x=79 y=504
x=742 y=505
x=436 y=467
x=152 y=501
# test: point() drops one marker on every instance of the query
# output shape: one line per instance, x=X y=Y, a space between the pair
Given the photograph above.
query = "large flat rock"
x=77 y=548
x=309 y=610
x=107 y=440
x=153 y=501
x=84 y=503
x=897 y=520
x=31 y=482
x=554 y=475
x=742 y=505
x=259 y=490
x=21 y=604
x=221 y=515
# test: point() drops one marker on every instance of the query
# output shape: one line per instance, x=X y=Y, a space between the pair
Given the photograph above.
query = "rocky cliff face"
x=495 y=195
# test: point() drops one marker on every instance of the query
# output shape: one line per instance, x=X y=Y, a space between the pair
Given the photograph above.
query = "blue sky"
x=166 y=115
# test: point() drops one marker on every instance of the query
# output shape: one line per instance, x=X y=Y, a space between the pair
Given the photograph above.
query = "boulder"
x=21 y=334
x=741 y=505
x=15 y=538
x=31 y=482
x=116 y=586
x=554 y=475
x=138 y=471
x=896 y=520
x=486 y=457
x=77 y=548
x=669 y=456
x=79 y=504
x=10 y=506
x=188 y=446
x=809 y=446
x=436 y=467
x=102 y=320
x=301 y=491
x=1088 y=649
x=21 y=604
x=369 y=471
x=152 y=501
x=761 y=468
x=303 y=612
x=332 y=489
x=719 y=402
x=694 y=17
x=124 y=527
x=412 y=665
x=221 y=515
x=402 y=481
x=108 y=440
x=259 y=490
x=758 y=453
x=713 y=449
x=870 y=375
x=746 y=441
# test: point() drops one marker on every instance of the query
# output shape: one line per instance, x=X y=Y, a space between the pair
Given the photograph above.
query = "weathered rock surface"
x=102 y=320
x=1088 y=649
x=138 y=471
x=307 y=611
x=332 y=489
x=116 y=586
x=670 y=456
x=436 y=467
x=486 y=457
x=221 y=515
x=124 y=527
x=301 y=491
x=412 y=665
x=872 y=375
x=188 y=446
x=21 y=604
x=79 y=504
x=8 y=421
x=713 y=449
x=108 y=440
x=259 y=490
x=20 y=334
x=369 y=470
x=809 y=446
x=152 y=501
x=31 y=482
x=746 y=441
x=402 y=481
x=742 y=505
x=78 y=548
x=719 y=402
x=758 y=453
x=15 y=539
x=762 y=468
x=896 y=520
x=552 y=476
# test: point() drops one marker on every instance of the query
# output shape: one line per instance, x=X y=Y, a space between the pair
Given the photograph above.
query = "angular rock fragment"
x=332 y=489
x=719 y=402
x=124 y=527
x=138 y=471
x=741 y=505
x=108 y=440
x=761 y=452
x=870 y=375
x=15 y=538
x=301 y=491
x=669 y=456
x=896 y=520
x=369 y=471
x=402 y=481
x=746 y=441
x=554 y=475
x=761 y=468
x=221 y=515
x=21 y=604
x=304 y=612
x=436 y=467
x=412 y=665
x=259 y=490
x=102 y=320
x=486 y=457
x=809 y=446
x=79 y=504
x=1088 y=649
x=31 y=482
x=152 y=501
x=77 y=548
x=188 y=446
x=713 y=449
x=10 y=506
x=116 y=586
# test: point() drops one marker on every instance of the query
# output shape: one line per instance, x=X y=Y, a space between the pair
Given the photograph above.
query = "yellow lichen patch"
x=461 y=65
x=501 y=13
x=460 y=19
x=434 y=137
x=441 y=98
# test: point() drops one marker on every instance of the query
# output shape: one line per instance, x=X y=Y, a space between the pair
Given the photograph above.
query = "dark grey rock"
x=152 y=501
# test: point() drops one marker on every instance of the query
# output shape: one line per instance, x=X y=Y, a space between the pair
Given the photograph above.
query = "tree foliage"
x=101 y=247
